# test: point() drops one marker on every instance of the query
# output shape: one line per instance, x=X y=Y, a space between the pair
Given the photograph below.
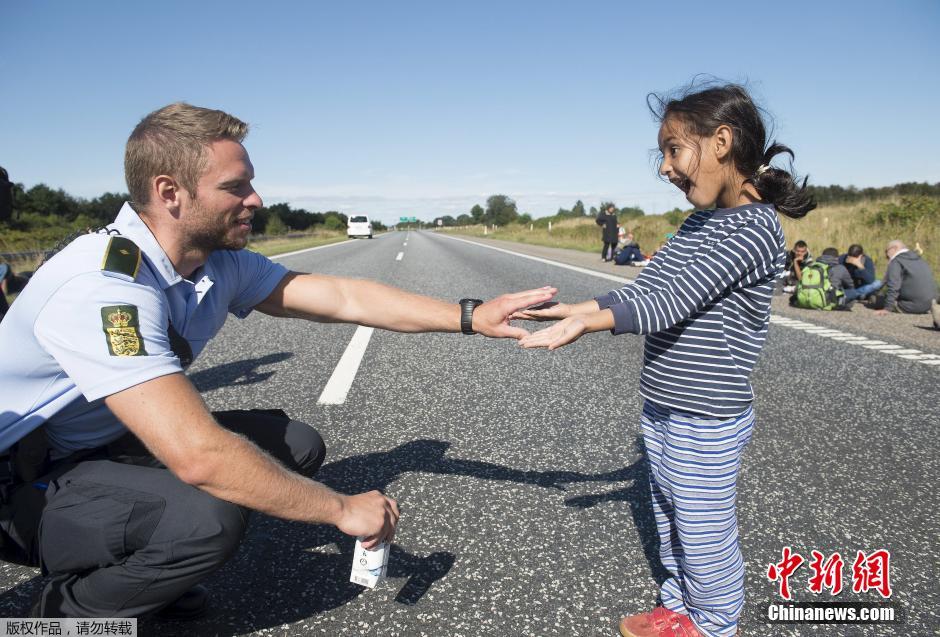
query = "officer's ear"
x=167 y=193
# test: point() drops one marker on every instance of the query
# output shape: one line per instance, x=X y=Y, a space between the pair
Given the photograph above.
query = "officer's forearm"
x=234 y=469
x=379 y=305
x=171 y=419
x=360 y=301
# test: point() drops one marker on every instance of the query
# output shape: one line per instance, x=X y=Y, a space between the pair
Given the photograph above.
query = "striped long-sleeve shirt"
x=704 y=304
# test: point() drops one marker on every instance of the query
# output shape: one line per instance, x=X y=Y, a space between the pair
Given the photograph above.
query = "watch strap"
x=466 y=314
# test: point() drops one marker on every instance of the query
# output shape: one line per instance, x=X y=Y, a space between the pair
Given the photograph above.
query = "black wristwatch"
x=466 y=314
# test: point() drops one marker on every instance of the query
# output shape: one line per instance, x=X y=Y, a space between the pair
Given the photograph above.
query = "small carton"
x=369 y=567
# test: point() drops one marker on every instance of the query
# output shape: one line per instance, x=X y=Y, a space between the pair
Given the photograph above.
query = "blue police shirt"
x=79 y=333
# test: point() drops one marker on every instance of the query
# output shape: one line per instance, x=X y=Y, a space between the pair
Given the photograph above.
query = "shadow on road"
x=637 y=495
x=286 y=572
x=243 y=372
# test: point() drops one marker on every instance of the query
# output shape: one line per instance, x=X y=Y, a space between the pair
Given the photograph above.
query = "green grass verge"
x=273 y=247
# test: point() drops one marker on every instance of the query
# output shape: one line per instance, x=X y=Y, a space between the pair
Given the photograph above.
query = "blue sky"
x=427 y=108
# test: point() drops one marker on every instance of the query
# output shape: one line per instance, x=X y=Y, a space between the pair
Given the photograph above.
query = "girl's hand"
x=550 y=311
x=566 y=331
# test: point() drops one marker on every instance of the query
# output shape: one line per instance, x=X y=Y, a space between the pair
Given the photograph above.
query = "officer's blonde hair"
x=172 y=141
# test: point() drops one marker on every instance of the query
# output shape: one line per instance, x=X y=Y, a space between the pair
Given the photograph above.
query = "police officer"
x=102 y=436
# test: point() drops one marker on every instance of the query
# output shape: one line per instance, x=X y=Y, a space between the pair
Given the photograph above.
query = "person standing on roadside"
x=607 y=219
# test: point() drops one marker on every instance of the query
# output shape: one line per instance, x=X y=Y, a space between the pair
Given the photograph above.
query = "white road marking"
x=329 y=245
x=868 y=343
x=345 y=373
x=601 y=275
x=785 y=321
x=400 y=255
x=919 y=356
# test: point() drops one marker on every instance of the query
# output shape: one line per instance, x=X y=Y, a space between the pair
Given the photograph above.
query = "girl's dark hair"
x=703 y=110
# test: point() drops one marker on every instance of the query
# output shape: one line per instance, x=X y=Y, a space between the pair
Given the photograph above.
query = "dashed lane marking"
x=868 y=343
x=345 y=373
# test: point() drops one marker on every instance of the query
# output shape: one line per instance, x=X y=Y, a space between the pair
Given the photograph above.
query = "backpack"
x=815 y=291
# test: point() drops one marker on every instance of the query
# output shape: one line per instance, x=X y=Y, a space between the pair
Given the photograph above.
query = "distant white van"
x=359 y=226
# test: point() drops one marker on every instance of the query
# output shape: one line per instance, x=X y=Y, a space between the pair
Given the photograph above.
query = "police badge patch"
x=122 y=330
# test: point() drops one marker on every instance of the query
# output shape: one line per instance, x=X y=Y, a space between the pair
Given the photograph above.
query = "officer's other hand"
x=371 y=516
x=492 y=318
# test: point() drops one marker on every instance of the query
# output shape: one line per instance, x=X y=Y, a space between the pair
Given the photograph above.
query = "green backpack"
x=815 y=291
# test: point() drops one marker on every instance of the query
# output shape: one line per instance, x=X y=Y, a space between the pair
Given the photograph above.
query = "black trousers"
x=121 y=536
x=607 y=252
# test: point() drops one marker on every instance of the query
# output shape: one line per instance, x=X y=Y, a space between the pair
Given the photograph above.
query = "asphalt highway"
x=521 y=475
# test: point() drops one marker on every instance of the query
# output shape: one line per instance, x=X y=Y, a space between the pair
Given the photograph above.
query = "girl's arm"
x=552 y=311
x=746 y=256
x=643 y=284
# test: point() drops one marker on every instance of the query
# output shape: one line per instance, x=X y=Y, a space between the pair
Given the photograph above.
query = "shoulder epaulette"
x=121 y=258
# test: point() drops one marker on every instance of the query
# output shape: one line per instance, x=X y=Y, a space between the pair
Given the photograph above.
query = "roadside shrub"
x=333 y=222
x=675 y=217
x=913 y=210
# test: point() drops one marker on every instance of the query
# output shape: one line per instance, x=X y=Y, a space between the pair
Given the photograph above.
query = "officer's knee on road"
x=307 y=446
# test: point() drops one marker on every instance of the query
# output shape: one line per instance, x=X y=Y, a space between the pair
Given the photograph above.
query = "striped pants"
x=694 y=462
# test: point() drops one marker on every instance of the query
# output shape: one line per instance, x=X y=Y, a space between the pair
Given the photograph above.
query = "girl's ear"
x=722 y=140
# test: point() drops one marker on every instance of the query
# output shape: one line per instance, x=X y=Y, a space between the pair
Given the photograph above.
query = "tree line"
x=43 y=212
x=501 y=210
x=42 y=207
x=850 y=194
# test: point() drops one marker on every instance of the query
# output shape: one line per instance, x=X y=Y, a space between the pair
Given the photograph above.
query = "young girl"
x=704 y=304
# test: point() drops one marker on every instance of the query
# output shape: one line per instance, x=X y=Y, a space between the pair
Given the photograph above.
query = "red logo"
x=869 y=572
x=872 y=572
x=782 y=571
x=826 y=574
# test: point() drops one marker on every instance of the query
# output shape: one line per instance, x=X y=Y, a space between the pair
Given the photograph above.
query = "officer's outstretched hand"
x=371 y=516
x=492 y=318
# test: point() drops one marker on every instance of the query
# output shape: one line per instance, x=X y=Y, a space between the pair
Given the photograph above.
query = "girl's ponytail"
x=778 y=187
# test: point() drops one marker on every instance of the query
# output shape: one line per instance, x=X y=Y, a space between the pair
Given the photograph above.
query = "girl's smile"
x=700 y=166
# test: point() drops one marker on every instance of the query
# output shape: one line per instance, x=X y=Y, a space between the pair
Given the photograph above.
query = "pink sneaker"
x=660 y=622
